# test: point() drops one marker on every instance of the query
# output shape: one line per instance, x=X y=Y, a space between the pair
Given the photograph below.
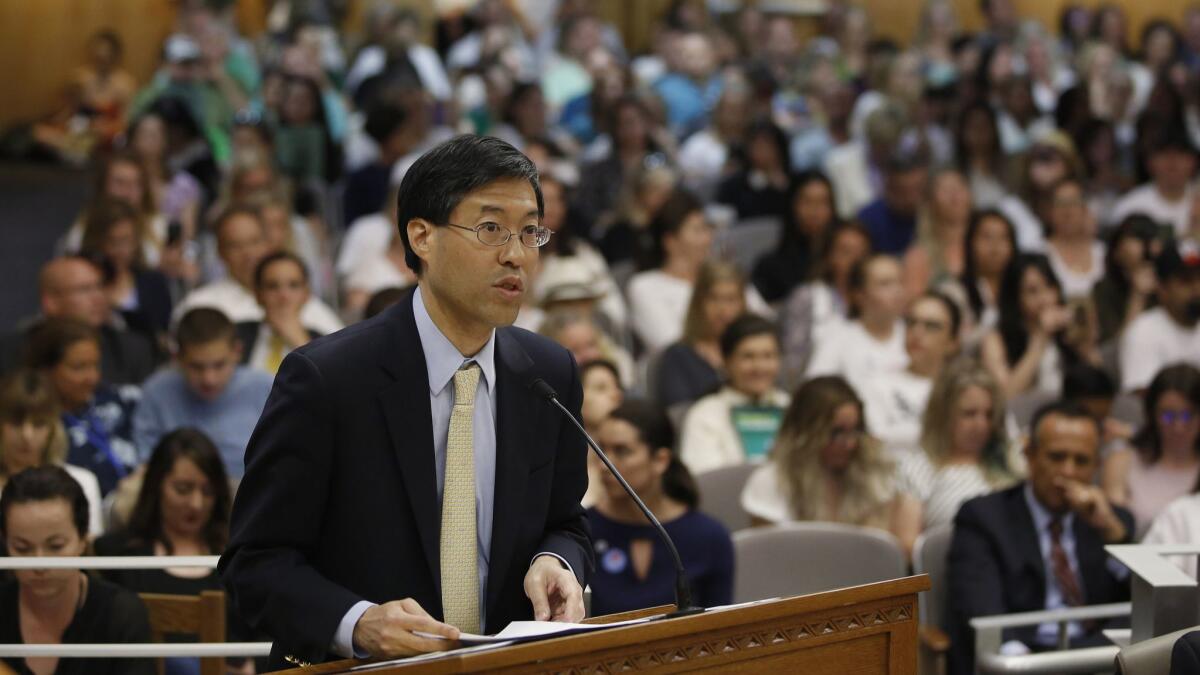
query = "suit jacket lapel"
x=517 y=409
x=1091 y=558
x=1027 y=539
x=405 y=405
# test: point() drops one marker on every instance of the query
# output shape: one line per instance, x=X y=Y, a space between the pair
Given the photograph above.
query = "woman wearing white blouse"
x=964 y=451
x=710 y=438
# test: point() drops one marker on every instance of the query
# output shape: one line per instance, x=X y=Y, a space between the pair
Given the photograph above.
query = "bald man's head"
x=73 y=288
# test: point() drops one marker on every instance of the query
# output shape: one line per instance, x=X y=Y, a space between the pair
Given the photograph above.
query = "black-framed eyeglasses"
x=494 y=234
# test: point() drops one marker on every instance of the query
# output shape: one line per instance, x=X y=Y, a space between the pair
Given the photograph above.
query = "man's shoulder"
x=166 y=381
x=990 y=508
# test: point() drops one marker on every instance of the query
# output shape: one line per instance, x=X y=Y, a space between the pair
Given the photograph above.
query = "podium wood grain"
x=852 y=631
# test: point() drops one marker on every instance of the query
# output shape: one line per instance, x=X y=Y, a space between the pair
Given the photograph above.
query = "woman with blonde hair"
x=692 y=367
x=963 y=454
x=824 y=466
x=32 y=434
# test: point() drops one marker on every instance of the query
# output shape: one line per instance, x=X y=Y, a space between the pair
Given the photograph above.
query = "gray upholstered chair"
x=929 y=557
x=1150 y=657
x=721 y=494
x=800 y=558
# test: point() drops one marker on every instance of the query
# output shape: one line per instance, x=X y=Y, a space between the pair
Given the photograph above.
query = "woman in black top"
x=810 y=216
x=43 y=513
x=182 y=509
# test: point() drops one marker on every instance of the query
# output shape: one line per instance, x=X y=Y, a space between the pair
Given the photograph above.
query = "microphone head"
x=542 y=389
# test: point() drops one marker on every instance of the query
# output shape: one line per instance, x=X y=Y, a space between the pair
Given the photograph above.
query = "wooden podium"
x=852 y=631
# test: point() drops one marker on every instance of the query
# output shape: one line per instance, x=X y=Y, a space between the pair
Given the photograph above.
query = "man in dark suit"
x=1185 y=656
x=72 y=287
x=1040 y=544
x=349 y=528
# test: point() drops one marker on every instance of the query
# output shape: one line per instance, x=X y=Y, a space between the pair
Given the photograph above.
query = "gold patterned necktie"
x=460 y=573
x=274 y=354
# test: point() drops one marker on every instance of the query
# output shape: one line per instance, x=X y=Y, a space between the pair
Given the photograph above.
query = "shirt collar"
x=1042 y=517
x=442 y=358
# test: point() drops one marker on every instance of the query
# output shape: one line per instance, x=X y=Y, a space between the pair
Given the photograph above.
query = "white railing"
x=142 y=650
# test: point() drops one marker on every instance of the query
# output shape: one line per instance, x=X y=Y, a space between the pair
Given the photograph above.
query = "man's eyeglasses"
x=493 y=234
x=1173 y=416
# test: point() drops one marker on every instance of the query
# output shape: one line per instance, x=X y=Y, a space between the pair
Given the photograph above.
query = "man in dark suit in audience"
x=1040 y=544
x=403 y=472
x=72 y=287
x=1185 y=657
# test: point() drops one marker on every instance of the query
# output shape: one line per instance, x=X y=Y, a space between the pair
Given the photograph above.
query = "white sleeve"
x=826 y=354
x=762 y=496
x=1139 y=358
x=647 y=316
x=699 y=443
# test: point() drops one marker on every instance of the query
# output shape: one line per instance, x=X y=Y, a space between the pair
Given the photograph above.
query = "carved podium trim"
x=652 y=659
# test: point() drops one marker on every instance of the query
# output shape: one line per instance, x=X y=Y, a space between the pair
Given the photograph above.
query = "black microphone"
x=683 y=591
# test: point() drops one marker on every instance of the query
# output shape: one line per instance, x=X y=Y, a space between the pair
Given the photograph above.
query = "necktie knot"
x=1056 y=529
x=466 y=380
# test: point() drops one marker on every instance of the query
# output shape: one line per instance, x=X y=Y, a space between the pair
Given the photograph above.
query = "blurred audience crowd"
x=953 y=281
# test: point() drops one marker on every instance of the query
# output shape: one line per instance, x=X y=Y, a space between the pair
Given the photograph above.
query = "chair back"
x=721 y=494
x=929 y=557
x=200 y=615
x=747 y=241
x=801 y=558
x=1150 y=657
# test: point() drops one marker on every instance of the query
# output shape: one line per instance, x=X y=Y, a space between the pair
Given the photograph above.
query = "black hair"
x=791 y=242
x=1137 y=226
x=49 y=339
x=1161 y=24
x=960 y=127
x=145 y=523
x=1063 y=408
x=601 y=364
x=113 y=39
x=382 y=299
x=763 y=127
x=742 y=328
x=1084 y=380
x=1012 y=322
x=969 y=278
x=821 y=269
x=669 y=219
x=383 y=119
x=439 y=180
x=333 y=150
x=654 y=429
x=43 y=484
x=271 y=258
x=1182 y=378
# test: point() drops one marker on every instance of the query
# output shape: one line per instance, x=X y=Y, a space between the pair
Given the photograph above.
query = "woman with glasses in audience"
x=1037 y=336
x=633 y=567
x=1129 y=283
x=182 y=509
x=896 y=400
x=98 y=417
x=824 y=302
x=964 y=451
x=692 y=367
x=989 y=253
x=43 y=513
x=738 y=423
x=1164 y=460
x=811 y=215
x=824 y=466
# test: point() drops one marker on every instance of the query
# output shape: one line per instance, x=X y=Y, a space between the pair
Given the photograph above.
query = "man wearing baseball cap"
x=1169 y=333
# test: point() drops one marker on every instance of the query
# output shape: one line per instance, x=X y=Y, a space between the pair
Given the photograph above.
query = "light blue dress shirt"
x=442 y=360
x=1047 y=633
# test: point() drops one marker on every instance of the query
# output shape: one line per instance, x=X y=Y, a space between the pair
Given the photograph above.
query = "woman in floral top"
x=97 y=417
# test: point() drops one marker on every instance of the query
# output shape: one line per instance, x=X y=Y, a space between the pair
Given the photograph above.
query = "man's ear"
x=420 y=237
x=237 y=349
